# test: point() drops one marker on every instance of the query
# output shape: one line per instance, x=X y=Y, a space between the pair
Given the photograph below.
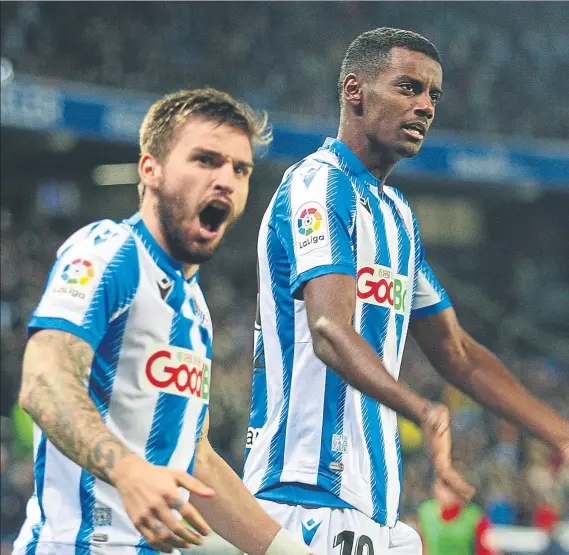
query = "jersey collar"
x=349 y=161
x=158 y=254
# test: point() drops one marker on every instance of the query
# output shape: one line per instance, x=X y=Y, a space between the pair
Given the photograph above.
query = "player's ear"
x=352 y=90
x=150 y=171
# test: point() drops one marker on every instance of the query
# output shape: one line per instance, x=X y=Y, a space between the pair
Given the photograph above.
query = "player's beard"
x=171 y=210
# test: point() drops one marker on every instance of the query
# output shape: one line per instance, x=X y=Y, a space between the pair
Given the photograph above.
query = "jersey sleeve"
x=93 y=279
x=430 y=296
x=314 y=220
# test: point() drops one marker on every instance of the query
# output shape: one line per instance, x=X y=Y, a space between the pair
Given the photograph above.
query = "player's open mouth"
x=415 y=130
x=213 y=215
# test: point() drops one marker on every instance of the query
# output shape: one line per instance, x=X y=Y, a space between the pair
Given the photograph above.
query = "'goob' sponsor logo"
x=178 y=371
x=379 y=285
x=311 y=227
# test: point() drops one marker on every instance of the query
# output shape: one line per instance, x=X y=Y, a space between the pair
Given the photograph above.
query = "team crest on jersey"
x=381 y=286
x=178 y=371
x=76 y=280
x=311 y=228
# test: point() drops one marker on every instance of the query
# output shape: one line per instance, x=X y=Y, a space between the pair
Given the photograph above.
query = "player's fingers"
x=192 y=484
x=162 y=536
x=150 y=533
x=177 y=527
x=194 y=518
x=458 y=484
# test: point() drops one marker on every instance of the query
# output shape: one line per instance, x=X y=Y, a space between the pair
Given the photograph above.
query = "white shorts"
x=343 y=531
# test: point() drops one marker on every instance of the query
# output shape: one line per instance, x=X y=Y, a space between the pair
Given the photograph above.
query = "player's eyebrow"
x=201 y=151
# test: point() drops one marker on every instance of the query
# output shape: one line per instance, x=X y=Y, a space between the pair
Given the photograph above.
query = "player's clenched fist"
x=150 y=494
x=436 y=427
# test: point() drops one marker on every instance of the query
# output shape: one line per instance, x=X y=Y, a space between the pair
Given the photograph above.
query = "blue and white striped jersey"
x=313 y=439
x=116 y=288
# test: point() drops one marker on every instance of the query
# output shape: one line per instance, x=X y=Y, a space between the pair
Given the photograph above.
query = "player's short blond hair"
x=165 y=118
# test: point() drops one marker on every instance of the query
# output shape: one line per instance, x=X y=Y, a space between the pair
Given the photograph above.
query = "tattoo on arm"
x=57 y=367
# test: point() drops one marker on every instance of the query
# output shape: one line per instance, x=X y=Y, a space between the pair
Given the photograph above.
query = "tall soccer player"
x=342 y=279
x=117 y=370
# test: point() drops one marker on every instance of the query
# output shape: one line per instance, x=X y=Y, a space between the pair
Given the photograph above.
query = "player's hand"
x=436 y=428
x=150 y=493
x=565 y=453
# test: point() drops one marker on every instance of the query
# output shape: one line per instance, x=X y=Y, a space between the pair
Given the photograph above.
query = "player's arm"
x=234 y=513
x=467 y=365
x=54 y=392
x=348 y=354
x=56 y=370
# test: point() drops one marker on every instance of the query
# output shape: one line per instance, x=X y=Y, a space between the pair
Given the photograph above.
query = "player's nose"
x=424 y=107
x=225 y=179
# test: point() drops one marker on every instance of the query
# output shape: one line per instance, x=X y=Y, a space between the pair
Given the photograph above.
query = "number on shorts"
x=346 y=540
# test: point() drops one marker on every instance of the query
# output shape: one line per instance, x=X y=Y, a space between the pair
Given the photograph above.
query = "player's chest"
x=384 y=254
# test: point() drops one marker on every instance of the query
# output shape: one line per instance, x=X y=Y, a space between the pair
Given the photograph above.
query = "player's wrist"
x=123 y=468
x=285 y=544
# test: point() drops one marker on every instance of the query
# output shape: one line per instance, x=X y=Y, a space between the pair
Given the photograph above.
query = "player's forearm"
x=54 y=392
x=343 y=350
x=233 y=513
x=481 y=375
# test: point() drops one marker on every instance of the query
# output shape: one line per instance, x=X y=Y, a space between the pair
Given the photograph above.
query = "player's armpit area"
x=55 y=380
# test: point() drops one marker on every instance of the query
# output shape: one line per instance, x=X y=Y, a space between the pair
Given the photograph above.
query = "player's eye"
x=407 y=87
x=206 y=159
x=435 y=97
x=242 y=171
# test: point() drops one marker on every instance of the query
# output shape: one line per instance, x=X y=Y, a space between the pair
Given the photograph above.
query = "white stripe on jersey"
x=330 y=216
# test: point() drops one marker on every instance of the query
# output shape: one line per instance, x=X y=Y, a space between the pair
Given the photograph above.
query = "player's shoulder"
x=320 y=167
x=102 y=238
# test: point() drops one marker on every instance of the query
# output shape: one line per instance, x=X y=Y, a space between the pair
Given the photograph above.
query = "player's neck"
x=351 y=134
x=153 y=226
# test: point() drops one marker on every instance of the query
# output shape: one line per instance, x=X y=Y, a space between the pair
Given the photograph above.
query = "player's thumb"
x=459 y=485
x=192 y=484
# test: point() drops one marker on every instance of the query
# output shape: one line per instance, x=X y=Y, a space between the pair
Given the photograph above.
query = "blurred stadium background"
x=490 y=187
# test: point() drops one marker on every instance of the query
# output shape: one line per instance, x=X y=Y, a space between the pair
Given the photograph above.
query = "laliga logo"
x=309 y=220
x=78 y=272
x=380 y=286
x=181 y=380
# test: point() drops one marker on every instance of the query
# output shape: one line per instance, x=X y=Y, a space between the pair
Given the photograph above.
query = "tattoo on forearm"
x=57 y=366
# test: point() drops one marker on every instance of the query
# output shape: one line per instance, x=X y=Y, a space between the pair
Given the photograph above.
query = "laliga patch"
x=311 y=228
x=76 y=280
x=177 y=371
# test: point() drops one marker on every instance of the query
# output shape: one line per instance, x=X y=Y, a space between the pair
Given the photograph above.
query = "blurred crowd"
x=503 y=62
x=519 y=480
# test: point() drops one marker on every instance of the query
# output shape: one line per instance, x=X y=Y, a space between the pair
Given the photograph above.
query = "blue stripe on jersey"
x=341 y=204
x=258 y=390
x=399 y=462
x=373 y=432
x=39 y=471
x=87 y=501
x=123 y=272
x=375 y=334
x=199 y=426
x=332 y=424
x=105 y=364
x=280 y=224
x=103 y=371
x=205 y=335
x=404 y=249
x=170 y=409
x=284 y=313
